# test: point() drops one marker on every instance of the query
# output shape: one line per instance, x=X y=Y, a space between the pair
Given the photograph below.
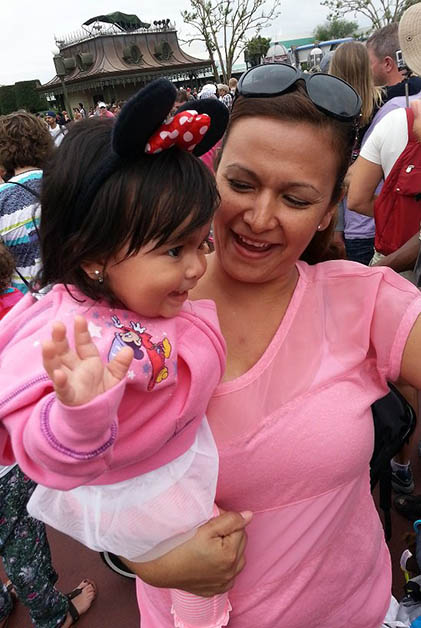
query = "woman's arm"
x=411 y=359
x=403 y=258
x=363 y=181
x=205 y=565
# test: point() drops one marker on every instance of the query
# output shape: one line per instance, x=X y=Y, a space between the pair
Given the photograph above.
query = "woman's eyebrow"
x=301 y=184
x=246 y=171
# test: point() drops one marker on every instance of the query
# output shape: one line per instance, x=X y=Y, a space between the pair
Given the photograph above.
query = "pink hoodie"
x=147 y=420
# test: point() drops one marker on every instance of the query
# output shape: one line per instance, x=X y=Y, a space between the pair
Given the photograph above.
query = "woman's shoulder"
x=342 y=269
x=354 y=277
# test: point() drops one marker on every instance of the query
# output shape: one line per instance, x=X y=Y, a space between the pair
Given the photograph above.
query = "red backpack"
x=397 y=209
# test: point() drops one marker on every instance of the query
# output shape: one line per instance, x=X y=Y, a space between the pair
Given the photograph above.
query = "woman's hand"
x=205 y=565
x=79 y=376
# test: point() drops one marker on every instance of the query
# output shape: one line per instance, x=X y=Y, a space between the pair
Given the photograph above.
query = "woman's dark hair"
x=144 y=200
x=295 y=106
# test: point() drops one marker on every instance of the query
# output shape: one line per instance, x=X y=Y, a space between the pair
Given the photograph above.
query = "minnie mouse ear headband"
x=143 y=126
x=219 y=116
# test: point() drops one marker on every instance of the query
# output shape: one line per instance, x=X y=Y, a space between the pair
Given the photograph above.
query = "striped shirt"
x=19 y=219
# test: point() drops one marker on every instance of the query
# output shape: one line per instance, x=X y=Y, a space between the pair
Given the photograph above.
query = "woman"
x=25 y=146
x=309 y=349
x=351 y=63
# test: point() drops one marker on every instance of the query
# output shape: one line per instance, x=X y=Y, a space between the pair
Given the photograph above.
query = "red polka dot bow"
x=186 y=129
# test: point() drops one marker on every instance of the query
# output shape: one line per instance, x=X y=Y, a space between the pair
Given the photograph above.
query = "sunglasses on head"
x=328 y=93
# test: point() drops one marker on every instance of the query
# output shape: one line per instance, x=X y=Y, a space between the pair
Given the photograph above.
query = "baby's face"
x=156 y=282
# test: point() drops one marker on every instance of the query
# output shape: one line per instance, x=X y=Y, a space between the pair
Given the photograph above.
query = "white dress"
x=141 y=518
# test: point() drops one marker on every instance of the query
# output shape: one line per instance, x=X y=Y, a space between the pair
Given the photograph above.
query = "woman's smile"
x=247 y=246
x=271 y=207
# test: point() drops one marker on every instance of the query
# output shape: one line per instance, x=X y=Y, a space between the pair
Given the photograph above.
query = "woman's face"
x=276 y=181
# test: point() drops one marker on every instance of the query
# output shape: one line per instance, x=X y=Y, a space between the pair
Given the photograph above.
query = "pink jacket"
x=147 y=420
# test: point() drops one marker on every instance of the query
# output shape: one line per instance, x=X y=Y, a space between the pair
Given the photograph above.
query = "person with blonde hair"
x=232 y=84
x=350 y=62
x=225 y=96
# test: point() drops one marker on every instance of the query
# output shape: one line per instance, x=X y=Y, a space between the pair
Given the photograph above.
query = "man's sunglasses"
x=328 y=93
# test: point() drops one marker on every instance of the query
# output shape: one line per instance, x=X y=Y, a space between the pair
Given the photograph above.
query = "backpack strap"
x=385 y=498
x=410 y=118
x=25 y=187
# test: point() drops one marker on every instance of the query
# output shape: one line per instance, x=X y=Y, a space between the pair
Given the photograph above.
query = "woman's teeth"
x=261 y=246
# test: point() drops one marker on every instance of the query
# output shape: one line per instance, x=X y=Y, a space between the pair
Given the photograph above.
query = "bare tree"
x=379 y=12
x=223 y=25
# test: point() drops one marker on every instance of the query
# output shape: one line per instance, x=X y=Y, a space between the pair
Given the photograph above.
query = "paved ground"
x=115 y=606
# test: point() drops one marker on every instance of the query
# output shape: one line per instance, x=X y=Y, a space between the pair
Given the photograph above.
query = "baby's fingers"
x=119 y=365
x=58 y=376
x=50 y=358
x=85 y=346
x=53 y=349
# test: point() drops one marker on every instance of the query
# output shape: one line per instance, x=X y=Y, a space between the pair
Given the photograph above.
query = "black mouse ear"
x=140 y=117
x=219 y=116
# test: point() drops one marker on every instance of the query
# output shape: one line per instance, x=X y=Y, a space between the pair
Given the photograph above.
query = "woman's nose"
x=262 y=216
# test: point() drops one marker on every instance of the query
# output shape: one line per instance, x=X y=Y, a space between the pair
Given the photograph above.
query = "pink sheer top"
x=295 y=437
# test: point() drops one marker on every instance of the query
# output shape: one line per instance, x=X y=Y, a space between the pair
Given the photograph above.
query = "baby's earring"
x=99 y=276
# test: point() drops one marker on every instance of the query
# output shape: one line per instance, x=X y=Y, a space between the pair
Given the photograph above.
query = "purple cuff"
x=82 y=432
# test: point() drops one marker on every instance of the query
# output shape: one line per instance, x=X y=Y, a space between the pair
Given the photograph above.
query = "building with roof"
x=115 y=55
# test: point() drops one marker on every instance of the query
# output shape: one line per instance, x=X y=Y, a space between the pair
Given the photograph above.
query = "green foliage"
x=21 y=95
x=28 y=98
x=256 y=49
x=379 y=12
x=258 y=45
x=7 y=99
x=335 y=29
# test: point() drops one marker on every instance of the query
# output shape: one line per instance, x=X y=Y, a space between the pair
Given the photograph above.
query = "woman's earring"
x=319 y=227
x=98 y=276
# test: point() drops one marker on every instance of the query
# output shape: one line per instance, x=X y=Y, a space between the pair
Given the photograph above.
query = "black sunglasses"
x=328 y=93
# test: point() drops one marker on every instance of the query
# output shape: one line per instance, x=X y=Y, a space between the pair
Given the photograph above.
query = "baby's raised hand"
x=79 y=375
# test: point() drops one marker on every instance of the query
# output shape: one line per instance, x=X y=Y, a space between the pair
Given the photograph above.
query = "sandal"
x=74 y=614
x=72 y=610
x=408 y=506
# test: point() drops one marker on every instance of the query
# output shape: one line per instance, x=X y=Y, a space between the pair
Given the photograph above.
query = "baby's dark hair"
x=146 y=199
x=7 y=266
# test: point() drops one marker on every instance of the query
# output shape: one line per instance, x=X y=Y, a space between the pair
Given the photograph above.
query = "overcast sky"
x=27 y=28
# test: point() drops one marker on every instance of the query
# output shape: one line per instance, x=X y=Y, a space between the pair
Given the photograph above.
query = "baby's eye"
x=175 y=251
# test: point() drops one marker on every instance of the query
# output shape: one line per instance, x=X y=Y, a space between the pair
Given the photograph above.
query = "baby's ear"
x=94 y=270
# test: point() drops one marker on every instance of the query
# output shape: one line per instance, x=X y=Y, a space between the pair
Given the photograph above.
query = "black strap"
x=385 y=499
x=73 y=612
x=25 y=187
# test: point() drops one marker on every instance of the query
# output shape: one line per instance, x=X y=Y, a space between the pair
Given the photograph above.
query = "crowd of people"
x=197 y=317
x=57 y=121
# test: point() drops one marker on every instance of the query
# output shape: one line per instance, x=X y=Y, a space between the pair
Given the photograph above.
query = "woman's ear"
x=327 y=218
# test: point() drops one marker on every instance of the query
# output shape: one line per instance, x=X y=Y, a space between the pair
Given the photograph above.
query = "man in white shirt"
x=56 y=132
